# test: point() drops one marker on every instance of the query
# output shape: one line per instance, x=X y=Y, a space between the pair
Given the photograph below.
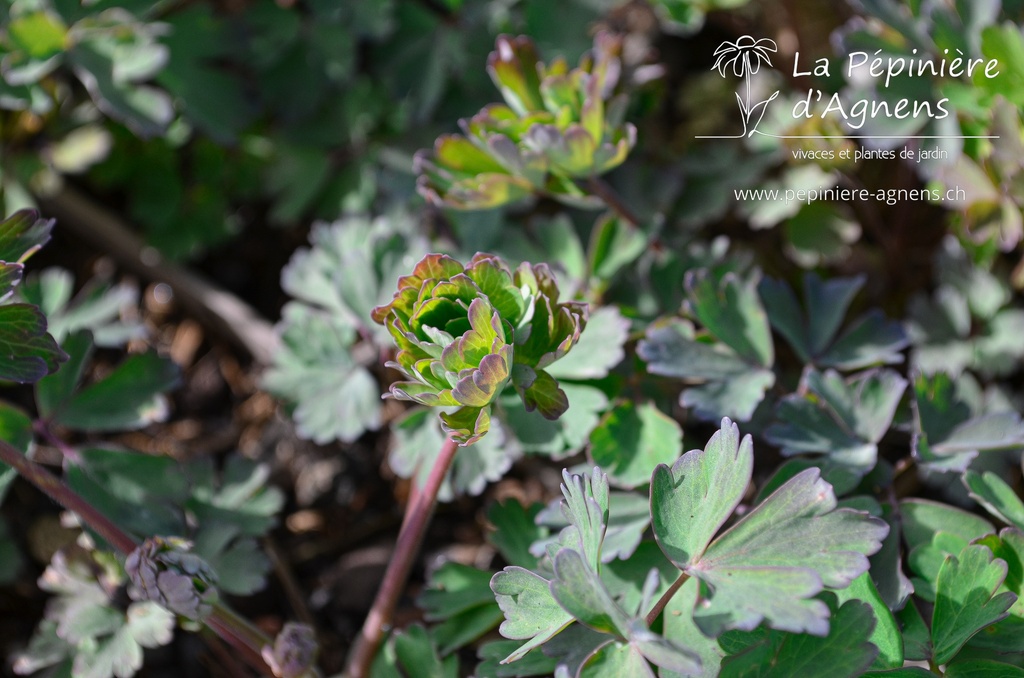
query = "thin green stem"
x=417 y=517
x=659 y=606
x=236 y=631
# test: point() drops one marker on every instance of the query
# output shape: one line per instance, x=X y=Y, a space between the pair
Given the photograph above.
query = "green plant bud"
x=294 y=652
x=464 y=333
x=556 y=125
x=164 y=570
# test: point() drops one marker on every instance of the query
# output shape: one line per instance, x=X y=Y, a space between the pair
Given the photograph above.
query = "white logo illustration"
x=744 y=58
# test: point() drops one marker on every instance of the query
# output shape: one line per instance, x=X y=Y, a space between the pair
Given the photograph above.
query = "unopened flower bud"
x=294 y=652
x=165 y=571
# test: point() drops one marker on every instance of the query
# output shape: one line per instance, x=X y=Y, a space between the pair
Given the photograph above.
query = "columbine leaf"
x=886 y=635
x=841 y=419
x=531 y=611
x=586 y=508
x=459 y=597
x=27 y=352
x=679 y=627
x=731 y=387
x=690 y=502
x=99 y=307
x=129 y=397
x=769 y=564
x=412 y=651
x=629 y=514
x=731 y=311
x=599 y=349
x=631 y=439
x=845 y=651
x=966 y=599
x=947 y=436
x=1006 y=636
x=561 y=438
x=515 y=529
x=335 y=397
x=996 y=496
x=813 y=333
x=581 y=593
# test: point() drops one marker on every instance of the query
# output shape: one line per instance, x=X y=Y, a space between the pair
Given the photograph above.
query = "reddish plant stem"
x=53 y=487
x=236 y=631
x=607 y=194
x=417 y=517
x=659 y=606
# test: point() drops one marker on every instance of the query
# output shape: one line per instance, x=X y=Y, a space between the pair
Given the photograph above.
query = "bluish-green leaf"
x=691 y=501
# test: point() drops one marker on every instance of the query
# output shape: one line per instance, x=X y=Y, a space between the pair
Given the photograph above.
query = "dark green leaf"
x=631 y=440
x=129 y=397
x=846 y=650
x=27 y=352
x=844 y=420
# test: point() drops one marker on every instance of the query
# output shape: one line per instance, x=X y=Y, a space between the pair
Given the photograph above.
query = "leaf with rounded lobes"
x=886 y=635
x=846 y=651
x=841 y=419
x=130 y=397
x=814 y=333
x=27 y=351
x=515 y=529
x=998 y=498
x=99 y=307
x=561 y=438
x=599 y=349
x=582 y=594
x=460 y=599
x=691 y=501
x=531 y=611
x=948 y=435
x=731 y=387
x=630 y=440
x=731 y=310
x=967 y=600
x=1006 y=636
x=922 y=519
x=786 y=550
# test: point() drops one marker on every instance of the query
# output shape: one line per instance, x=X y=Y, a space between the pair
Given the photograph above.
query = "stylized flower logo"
x=744 y=57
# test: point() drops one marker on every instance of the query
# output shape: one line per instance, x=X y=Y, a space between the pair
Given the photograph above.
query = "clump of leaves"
x=557 y=125
x=768 y=568
x=88 y=631
x=465 y=332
